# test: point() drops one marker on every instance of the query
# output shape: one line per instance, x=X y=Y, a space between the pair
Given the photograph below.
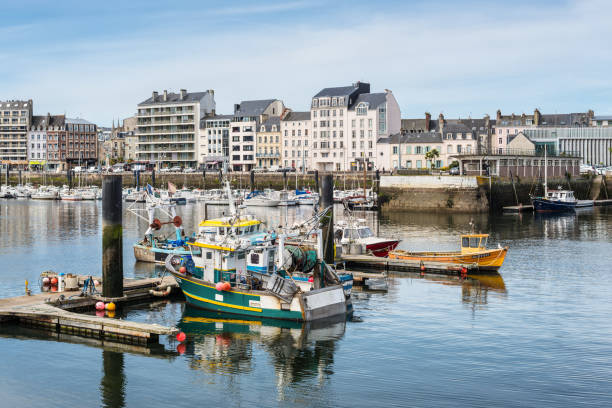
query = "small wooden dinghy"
x=473 y=251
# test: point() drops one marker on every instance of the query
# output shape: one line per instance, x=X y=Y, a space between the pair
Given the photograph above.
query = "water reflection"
x=226 y=344
x=112 y=385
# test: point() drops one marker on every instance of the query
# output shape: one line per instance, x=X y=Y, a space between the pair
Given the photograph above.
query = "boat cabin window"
x=208 y=255
x=483 y=242
x=365 y=232
x=465 y=242
x=350 y=234
x=221 y=230
x=240 y=255
x=255 y=259
x=474 y=241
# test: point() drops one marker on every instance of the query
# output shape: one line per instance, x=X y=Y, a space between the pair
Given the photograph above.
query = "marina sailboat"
x=554 y=200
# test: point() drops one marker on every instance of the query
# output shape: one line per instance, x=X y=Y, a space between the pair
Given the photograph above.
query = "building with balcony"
x=169 y=125
x=347 y=123
x=296 y=132
x=269 y=142
x=15 y=120
x=214 y=141
x=248 y=116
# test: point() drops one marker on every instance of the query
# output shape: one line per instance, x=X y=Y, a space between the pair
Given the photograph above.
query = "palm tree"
x=432 y=155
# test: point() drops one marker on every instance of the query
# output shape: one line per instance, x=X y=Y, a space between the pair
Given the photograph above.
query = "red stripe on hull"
x=381 y=249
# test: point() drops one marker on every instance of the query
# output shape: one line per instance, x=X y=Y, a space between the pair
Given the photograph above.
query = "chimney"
x=236 y=107
x=154 y=96
x=211 y=92
x=183 y=94
x=536 y=117
x=441 y=123
x=165 y=95
x=427 y=120
x=498 y=117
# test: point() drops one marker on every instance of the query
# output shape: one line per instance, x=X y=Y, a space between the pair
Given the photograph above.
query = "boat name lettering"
x=218 y=297
x=254 y=303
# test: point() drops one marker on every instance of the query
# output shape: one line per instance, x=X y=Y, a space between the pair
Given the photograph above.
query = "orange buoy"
x=219 y=286
x=181 y=337
x=54 y=281
x=110 y=306
x=227 y=286
x=183 y=270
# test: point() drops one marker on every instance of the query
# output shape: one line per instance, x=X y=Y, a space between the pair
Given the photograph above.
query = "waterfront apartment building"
x=296 y=131
x=269 y=143
x=169 y=126
x=43 y=136
x=347 y=123
x=248 y=116
x=15 y=120
x=214 y=141
x=80 y=145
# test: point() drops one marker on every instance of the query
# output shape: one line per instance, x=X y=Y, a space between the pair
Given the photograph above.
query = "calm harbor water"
x=539 y=335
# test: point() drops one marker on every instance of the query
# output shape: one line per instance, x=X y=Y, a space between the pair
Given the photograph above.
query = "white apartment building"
x=168 y=127
x=347 y=123
x=248 y=115
x=214 y=141
x=37 y=141
x=15 y=118
x=296 y=132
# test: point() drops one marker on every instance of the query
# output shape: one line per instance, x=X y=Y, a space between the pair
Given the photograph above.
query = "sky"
x=98 y=60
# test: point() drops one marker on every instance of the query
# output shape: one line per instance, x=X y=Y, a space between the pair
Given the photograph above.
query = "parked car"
x=259 y=169
x=454 y=171
x=165 y=170
x=273 y=168
x=176 y=169
x=93 y=170
x=189 y=170
x=79 y=169
x=117 y=169
x=587 y=169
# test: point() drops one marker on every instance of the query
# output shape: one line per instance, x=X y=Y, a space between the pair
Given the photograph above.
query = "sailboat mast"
x=545 y=173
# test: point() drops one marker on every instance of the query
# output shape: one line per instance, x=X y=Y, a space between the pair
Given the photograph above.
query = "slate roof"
x=564 y=119
x=174 y=98
x=372 y=99
x=297 y=116
x=416 y=125
x=252 y=108
x=337 y=91
x=424 y=137
x=272 y=121
x=603 y=117
x=78 y=121
x=54 y=120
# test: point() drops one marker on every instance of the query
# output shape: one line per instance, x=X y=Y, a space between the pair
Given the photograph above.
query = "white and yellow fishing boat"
x=473 y=251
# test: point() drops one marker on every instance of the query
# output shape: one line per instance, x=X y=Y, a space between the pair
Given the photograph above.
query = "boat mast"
x=545 y=173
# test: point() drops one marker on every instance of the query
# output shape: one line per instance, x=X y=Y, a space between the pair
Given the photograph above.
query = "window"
x=353 y=122
x=394 y=149
x=418 y=164
x=458 y=148
x=449 y=149
x=418 y=150
x=208 y=255
x=362 y=109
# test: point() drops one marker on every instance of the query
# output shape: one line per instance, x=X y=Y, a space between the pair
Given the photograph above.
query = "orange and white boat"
x=473 y=251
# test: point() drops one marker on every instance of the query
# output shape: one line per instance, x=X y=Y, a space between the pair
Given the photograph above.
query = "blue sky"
x=97 y=60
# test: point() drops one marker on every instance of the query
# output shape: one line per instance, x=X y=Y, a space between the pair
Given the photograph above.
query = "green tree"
x=432 y=155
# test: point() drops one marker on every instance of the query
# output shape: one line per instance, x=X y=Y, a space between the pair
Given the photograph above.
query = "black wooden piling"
x=8 y=171
x=377 y=188
x=284 y=179
x=20 y=183
x=137 y=180
x=112 y=237
x=327 y=200
x=69 y=177
x=252 y=180
x=112 y=385
x=153 y=177
x=316 y=177
x=204 y=179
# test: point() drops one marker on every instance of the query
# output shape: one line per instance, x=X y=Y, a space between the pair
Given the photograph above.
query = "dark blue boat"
x=555 y=201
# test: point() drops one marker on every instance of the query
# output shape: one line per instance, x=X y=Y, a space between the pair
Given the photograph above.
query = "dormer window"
x=449 y=136
x=334 y=101
x=262 y=129
x=315 y=103
x=362 y=109
x=274 y=128
x=341 y=101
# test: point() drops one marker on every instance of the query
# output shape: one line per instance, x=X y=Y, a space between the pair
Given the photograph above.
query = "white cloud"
x=457 y=61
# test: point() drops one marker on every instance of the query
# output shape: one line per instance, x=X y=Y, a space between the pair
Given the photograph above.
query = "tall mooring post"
x=377 y=188
x=316 y=176
x=8 y=171
x=327 y=200
x=252 y=180
x=69 y=177
x=137 y=180
x=284 y=179
x=204 y=179
x=112 y=237
x=20 y=183
x=153 y=177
